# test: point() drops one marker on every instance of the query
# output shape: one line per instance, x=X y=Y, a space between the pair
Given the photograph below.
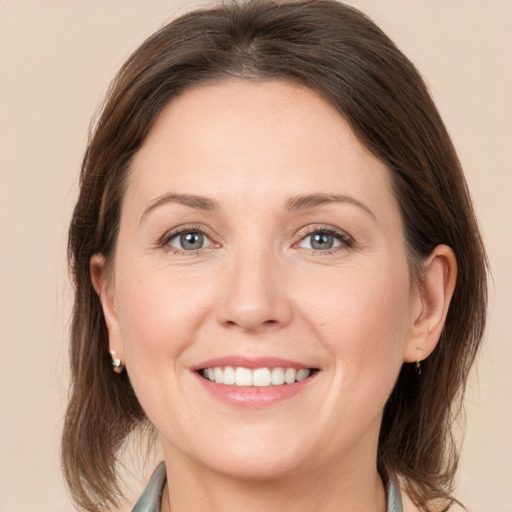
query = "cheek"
x=157 y=314
x=363 y=317
x=160 y=315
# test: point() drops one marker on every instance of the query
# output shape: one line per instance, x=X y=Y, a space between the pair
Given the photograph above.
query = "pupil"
x=322 y=241
x=191 y=241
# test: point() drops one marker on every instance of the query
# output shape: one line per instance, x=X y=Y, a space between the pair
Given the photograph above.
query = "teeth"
x=302 y=374
x=289 y=375
x=218 y=375
x=260 y=377
x=243 y=377
x=277 y=376
x=229 y=376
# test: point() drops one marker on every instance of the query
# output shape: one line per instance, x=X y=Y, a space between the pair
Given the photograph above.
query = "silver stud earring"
x=117 y=364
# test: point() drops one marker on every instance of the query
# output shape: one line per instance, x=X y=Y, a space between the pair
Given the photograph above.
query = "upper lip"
x=250 y=362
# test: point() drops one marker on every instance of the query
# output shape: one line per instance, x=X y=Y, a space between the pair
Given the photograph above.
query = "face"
x=261 y=296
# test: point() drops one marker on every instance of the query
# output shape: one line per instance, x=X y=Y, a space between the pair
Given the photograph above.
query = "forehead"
x=250 y=138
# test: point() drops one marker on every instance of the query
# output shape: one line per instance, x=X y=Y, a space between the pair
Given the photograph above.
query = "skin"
x=258 y=288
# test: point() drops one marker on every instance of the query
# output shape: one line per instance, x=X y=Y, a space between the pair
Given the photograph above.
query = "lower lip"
x=253 y=396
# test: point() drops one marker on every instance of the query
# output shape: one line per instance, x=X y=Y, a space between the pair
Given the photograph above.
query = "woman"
x=275 y=251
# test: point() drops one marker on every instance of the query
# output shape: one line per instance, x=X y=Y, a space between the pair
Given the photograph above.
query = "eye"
x=324 y=239
x=187 y=241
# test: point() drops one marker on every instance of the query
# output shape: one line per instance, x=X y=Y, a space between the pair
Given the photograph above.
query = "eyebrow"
x=295 y=203
x=312 y=200
x=197 y=202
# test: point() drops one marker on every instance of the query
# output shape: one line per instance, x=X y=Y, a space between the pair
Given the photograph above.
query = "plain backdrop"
x=56 y=60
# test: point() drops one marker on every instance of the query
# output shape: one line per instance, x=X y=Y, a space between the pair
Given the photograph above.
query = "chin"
x=252 y=454
x=270 y=466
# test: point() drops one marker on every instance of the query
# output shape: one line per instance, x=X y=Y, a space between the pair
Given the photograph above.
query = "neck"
x=333 y=489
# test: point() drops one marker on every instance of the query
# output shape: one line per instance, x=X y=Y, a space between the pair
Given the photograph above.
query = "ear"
x=432 y=296
x=104 y=287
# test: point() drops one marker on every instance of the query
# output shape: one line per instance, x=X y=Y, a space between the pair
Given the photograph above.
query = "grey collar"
x=393 y=496
x=152 y=495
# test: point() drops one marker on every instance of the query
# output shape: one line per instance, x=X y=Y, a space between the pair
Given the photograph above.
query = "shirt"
x=151 y=498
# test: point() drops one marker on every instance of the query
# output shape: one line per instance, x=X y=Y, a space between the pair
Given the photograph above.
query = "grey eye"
x=190 y=241
x=320 y=241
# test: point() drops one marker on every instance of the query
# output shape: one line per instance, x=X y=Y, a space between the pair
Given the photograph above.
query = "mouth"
x=254 y=382
x=263 y=377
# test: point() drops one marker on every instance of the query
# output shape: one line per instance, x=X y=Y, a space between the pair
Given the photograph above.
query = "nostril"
x=251 y=321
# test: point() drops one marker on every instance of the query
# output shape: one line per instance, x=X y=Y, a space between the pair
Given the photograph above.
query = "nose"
x=255 y=298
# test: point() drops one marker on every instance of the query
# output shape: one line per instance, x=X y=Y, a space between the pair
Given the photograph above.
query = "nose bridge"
x=254 y=297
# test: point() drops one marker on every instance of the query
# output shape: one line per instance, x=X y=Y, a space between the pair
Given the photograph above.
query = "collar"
x=152 y=496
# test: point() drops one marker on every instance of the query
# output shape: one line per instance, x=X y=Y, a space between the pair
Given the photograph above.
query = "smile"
x=254 y=382
x=258 y=377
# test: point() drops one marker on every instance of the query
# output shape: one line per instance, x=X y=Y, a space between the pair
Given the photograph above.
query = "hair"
x=339 y=53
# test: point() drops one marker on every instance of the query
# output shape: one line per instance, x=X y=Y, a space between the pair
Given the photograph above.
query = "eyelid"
x=346 y=239
x=164 y=241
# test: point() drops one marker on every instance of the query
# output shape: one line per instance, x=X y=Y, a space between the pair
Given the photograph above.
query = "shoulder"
x=409 y=506
x=456 y=508
x=152 y=495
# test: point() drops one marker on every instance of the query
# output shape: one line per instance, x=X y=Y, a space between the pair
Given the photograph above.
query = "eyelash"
x=165 y=241
x=346 y=241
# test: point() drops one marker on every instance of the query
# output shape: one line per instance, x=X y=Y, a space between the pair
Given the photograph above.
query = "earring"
x=117 y=364
x=418 y=367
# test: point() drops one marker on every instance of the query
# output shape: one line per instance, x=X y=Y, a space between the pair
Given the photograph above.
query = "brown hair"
x=338 y=52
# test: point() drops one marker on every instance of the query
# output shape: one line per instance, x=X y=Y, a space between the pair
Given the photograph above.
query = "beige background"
x=56 y=59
